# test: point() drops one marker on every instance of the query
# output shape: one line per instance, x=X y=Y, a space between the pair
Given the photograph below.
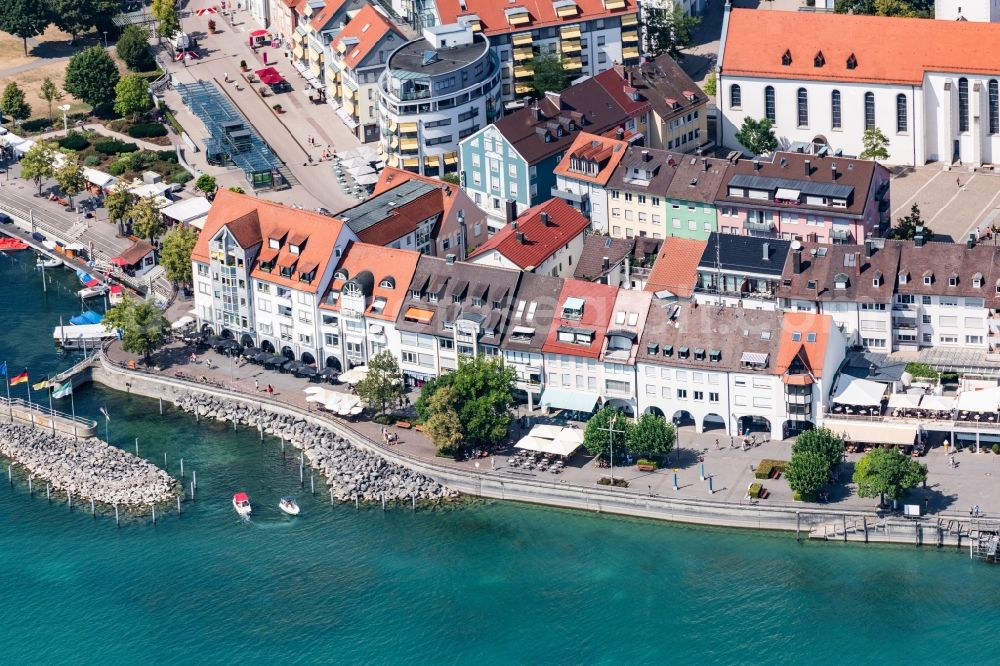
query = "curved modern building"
x=434 y=92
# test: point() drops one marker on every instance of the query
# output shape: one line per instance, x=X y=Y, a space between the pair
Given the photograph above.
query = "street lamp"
x=64 y=108
x=105 y=39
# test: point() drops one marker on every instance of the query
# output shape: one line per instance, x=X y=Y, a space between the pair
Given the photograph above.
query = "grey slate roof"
x=745 y=254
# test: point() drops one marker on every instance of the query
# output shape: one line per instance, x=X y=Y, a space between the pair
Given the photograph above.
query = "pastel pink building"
x=798 y=196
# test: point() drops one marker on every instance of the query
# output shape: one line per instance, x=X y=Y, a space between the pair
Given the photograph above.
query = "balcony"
x=759 y=225
x=568 y=196
x=905 y=323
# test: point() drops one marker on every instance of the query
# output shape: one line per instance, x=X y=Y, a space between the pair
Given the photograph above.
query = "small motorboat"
x=47 y=262
x=288 y=505
x=241 y=502
x=93 y=292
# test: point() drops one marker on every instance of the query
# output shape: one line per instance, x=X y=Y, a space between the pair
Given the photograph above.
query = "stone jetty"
x=87 y=468
x=349 y=470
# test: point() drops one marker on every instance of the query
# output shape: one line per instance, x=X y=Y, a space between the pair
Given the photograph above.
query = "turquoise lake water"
x=484 y=582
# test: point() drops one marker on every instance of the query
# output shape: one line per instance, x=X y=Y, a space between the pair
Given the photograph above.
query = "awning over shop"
x=979 y=401
x=875 y=433
x=937 y=403
x=855 y=391
x=552 y=439
x=578 y=401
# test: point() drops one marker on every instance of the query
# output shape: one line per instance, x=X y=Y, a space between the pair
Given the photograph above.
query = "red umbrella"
x=207 y=10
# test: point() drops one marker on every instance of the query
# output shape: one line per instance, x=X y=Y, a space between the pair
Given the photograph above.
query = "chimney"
x=868 y=249
x=704 y=164
x=520 y=237
x=645 y=156
x=620 y=133
x=918 y=237
x=808 y=167
x=513 y=225
x=449 y=259
x=833 y=170
x=536 y=112
x=605 y=264
x=756 y=164
x=510 y=210
x=797 y=261
x=766 y=251
x=544 y=218
x=971 y=243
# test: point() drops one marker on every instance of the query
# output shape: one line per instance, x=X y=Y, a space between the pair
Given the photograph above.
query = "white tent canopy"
x=552 y=439
x=979 y=401
x=876 y=433
x=545 y=431
x=937 y=403
x=856 y=391
x=354 y=375
x=905 y=400
x=182 y=322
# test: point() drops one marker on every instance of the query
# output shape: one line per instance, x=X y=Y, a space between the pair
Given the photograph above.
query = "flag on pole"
x=19 y=379
x=63 y=390
x=107 y=417
x=44 y=384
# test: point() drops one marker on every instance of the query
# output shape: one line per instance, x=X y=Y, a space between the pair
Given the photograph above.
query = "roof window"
x=852 y=62
x=786 y=58
x=819 y=60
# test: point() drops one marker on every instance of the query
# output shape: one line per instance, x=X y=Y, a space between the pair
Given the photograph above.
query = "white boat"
x=85 y=336
x=45 y=262
x=288 y=505
x=241 y=502
x=93 y=292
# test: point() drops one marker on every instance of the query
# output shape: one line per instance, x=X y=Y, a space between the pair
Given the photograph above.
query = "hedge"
x=36 y=125
x=180 y=178
x=74 y=141
x=648 y=462
x=767 y=468
x=147 y=130
x=755 y=490
x=606 y=481
x=115 y=147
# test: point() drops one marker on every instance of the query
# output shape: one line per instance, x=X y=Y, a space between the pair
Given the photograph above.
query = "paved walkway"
x=949 y=493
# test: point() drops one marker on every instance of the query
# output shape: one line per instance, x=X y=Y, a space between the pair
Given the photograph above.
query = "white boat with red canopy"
x=241 y=502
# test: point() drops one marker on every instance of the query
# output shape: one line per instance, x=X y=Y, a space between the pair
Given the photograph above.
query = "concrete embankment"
x=85 y=468
x=349 y=470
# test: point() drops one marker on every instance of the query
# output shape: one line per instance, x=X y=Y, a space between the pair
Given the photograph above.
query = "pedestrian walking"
x=958 y=182
x=493 y=462
x=717 y=447
x=270 y=390
x=256 y=386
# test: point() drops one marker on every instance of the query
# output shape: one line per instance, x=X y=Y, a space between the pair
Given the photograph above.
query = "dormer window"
x=877 y=279
x=415 y=294
x=928 y=278
x=953 y=280
x=307 y=277
x=796 y=337
x=274 y=243
x=668 y=350
x=715 y=355
x=840 y=281
x=387 y=283
x=683 y=352
x=852 y=62
x=786 y=58
x=699 y=354
x=977 y=281
x=294 y=249
x=811 y=337
x=903 y=278
x=819 y=60
x=341 y=274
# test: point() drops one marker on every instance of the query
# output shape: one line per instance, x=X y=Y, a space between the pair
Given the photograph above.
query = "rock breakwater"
x=349 y=470
x=86 y=468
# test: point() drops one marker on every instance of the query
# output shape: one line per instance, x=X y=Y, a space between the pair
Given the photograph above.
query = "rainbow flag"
x=19 y=379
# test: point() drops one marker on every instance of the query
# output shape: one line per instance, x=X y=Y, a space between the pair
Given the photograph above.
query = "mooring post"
x=234 y=423
x=182 y=468
x=383 y=501
x=192 y=491
x=194 y=477
x=302 y=468
x=69 y=499
x=711 y=490
x=10 y=475
x=798 y=523
x=117 y=522
x=864 y=524
x=413 y=500
x=312 y=484
x=153 y=507
x=161 y=406
x=331 y=496
x=164 y=460
x=357 y=504
x=30 y=491
x=93 y=509
x=136 y=447
x=48 y=493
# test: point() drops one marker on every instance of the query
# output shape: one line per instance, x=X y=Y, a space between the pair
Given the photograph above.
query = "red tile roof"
x=382 y=263
x=811 y=353
x=599 y=302
x=321 y=17
x=887 y=49
x=392 y=177
x=541 y=240
x=613 y=80
x=493 y=18
x=676 y=266
x=606 y=152
x=252 y=221
x=368 y=27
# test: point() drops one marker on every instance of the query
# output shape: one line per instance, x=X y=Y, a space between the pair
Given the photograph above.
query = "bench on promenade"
x=646 y=468
x=406 y=425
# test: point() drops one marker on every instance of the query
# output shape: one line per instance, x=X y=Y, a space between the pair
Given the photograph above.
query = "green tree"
x=73 y=16
x=237 y=189
x=711 y=85
x=92 y=76
x=444 y=426
x=382 y=387
x=451 y=178
x=175 y=254
x=133 y=48
x=50 y=93
x=822 y=441
x=38 y=163
x=598 y=441
x=906 y=226
x=866 y=7
x=757 y=136
x=24 y=18
x=876 y=145
x=12 y=102
x=69 y=176
x=548 y=74
x=669 y=31
x=888 y=473
x=206 y=183
x=651 y=435
x=483 y=390
x=167 y=23
x=807 y=472
x=146 y=219
x=132 y=96
x=142 y=325
x=118 y=202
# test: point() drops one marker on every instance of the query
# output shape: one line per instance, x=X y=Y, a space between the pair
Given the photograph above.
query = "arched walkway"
x=794 y=428
x=227 y=334
x=624 y=405
x=246 y=340
x=308 y=359
x=752 y=424
x=713 y=422
x=287 y=352
x=206 y=328
x=682 y=418
x=267 y=346
x=655 y=411
x=333 y=362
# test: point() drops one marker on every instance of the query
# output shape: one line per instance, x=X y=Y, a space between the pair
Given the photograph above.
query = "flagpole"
x=6 y=381
x=72 y=406
x=31 y=410
x=52 y=412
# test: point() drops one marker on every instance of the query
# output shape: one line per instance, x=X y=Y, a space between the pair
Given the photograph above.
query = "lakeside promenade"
x=846 y=517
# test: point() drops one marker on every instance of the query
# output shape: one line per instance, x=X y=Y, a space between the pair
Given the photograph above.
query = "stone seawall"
x=349 y=471
x=86 y=468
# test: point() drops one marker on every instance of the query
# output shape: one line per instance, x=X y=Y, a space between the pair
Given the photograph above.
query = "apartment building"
x=589 y=36
x=811 y=352
x=854 y=284
x=260 y=270
x=711 y=367
x=355 y=59
x=741 y=271
x=675 y=269
x=796 y=196
x=318 y=22
x=513 y=161
x=359 y=309
x=574 y=370
x=583 y=172
x=625 y=328
x=690 y=197
x=546 y=239
x=531 y=318
x=636 y=188
x=605 y=260
x=452 y=309
x=436 y=91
